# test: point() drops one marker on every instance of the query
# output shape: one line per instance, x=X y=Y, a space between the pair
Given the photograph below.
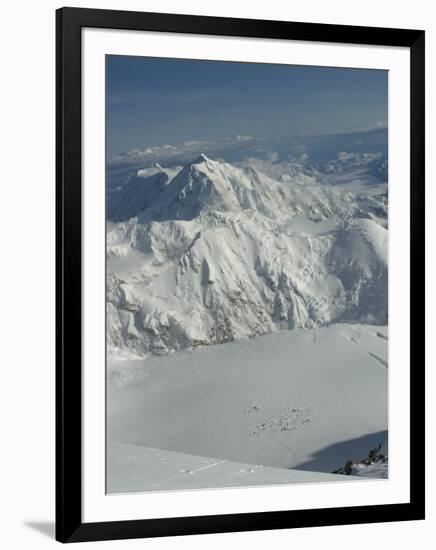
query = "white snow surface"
x=141 y=469
x=303 y=400
x=214 y=253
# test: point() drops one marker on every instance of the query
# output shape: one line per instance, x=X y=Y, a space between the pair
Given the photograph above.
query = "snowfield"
x=301 y=399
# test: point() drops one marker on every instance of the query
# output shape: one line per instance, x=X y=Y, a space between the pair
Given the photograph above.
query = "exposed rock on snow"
x=376 y=465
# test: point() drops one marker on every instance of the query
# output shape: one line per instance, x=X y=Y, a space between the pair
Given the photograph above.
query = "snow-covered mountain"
x=213 y=252
x=140 y=191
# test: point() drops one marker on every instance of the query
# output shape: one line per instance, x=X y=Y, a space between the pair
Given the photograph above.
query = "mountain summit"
x=201 y=158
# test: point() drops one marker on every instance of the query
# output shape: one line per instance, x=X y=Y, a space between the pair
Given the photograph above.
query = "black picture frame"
x=69 y=525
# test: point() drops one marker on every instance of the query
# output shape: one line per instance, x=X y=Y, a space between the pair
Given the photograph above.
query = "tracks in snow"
x=355 y=341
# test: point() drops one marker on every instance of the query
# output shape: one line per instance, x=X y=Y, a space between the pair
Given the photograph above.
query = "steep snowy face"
x=140 y=192
x=219 y=253
x=358 y=257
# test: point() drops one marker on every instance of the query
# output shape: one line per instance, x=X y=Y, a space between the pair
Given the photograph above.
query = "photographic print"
x=239 y=275
x=247 y=274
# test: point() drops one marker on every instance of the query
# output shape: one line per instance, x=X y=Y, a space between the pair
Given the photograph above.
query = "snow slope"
x=301 y=399
x=219 y=253
x=140 y=191
x=141 y=469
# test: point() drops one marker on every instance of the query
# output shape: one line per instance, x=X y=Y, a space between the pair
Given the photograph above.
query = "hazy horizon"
x=152 y=101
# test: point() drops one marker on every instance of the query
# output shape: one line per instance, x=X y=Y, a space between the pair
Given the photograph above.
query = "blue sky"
x=152 y=101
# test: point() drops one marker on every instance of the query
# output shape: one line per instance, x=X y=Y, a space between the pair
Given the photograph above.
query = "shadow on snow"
x=335 y=456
